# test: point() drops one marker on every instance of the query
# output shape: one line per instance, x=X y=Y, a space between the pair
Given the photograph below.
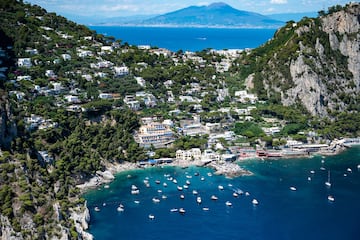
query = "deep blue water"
x=190 y=39
x=281 y=213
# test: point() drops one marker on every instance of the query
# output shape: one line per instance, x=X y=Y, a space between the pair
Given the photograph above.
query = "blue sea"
x=281 y=213
x=188 y=39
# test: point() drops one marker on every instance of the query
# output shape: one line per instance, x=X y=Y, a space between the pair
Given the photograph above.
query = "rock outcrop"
x=317 y=63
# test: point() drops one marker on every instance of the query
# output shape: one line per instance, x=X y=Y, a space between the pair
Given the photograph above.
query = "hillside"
x=215 y=15
x=314 y=62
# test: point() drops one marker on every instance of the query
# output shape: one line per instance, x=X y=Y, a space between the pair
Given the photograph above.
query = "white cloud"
x=278 y=1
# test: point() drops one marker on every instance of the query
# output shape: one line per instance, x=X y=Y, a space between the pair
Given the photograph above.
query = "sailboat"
x=328 y=183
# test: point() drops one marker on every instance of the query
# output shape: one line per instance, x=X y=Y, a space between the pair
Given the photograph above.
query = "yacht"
x=198 y=200
x=220 y=187
x=174 y=181
x=174 y=210
x=235 y=194
x=358 y=166
x=156 y=200
x=137 y=201
x=247 y=194
x=165 y=184
x=97 y=209
x=309 y=178
x=349 y=170
x=134 y=192
x=194 y=192
x=255 y=202
x=229 y=204
x=187 y=182
x=202 y=178
x=134 y=187
x=186 y=186
x=157 y=181
x=292 y=188
x=151 y=217
x=182 y=196
x=120 y=209
x=164 y=197
x=179 y=188
x=205 y=209
x=312 y=172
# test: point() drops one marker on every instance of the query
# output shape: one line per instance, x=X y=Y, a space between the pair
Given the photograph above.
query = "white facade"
x=24 y=62
x=188 y=155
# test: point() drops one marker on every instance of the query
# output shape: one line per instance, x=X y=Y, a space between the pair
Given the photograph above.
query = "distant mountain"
x=285 y=17
x=213 y=15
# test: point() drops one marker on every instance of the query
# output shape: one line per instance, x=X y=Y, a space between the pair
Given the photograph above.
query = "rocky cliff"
x=315 y=62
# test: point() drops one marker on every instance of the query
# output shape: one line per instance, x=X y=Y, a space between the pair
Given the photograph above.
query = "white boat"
x=331 y=198
x=147 y=185
x=220 y=187
x=120 y=209
x=198 y=200
x=187 y=182
x=230 y=185
x=174 y=181
x=157 y=181
x=156 y=200
x=137 y=201
x=322 y=169
x=164 y=197
x=255 y=202
x=228 y=203
x=202 y=178
x=159 y=191
x=165 y=184
x=213 y=197
x=194 y=192
x=182 y=210
x=247 y=194
x=151 y=217
x=292 y=188
x=186 y=186
x=174 y=210
x=205 y=209
x=309 y=178
x=106 y=186
x=179 y=188
x=188 y=176
x=134 y=192
x=312 y=172
x=358 y=166
x=235 y=194
x=328 y=183
x=209 y=174
x=182 y=196
x=133 y=187
x=97 y=209
x=349 y=170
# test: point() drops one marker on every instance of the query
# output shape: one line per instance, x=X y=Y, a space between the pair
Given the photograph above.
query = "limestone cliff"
x=315 y=62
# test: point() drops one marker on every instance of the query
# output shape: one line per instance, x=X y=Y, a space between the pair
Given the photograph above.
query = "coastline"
x=228 y=169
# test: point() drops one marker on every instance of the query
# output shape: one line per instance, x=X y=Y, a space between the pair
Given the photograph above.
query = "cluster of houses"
x=154 y=132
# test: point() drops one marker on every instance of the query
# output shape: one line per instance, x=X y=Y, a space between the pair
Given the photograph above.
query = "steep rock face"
x=322 y=70
x=7 y=127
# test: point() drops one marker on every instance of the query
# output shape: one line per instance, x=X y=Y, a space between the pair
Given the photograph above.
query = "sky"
x=124 y=8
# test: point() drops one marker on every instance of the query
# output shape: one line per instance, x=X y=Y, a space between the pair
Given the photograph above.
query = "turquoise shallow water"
x=281 y=214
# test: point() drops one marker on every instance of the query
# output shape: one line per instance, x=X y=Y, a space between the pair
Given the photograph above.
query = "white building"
x=24 y=62
x=105 y=96
x=121 y=71
x=72 y=99
x=188 y=155
x=155 y=134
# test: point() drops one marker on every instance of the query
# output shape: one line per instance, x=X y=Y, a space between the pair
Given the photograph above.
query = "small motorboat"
x=228 y=203
x=182 y=196
x=331 y=198
x=213 y=197
x=205 y=209
x=151 y=217
x=137 y=201
x=120 y=209
x=198 y=200
x=179 y=188
x=185 y=186
x=202 y=178
x=194 y=192
x=182 y=211
x=156 y=200
x=187 y=182
x=220 y=187
x=97 y=209
x=349 y=170
x=157 y=181
x=174 y=210
x=255 y=202
x=235 y=194
x=292 y=188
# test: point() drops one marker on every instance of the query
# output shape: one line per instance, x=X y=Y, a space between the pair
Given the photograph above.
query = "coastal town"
x=187 y=102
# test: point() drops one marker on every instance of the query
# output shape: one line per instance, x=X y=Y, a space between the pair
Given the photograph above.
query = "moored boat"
x=198 y=200
x=228 y=203
x=213 y=197
x=182 y=210
x=255 y=202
